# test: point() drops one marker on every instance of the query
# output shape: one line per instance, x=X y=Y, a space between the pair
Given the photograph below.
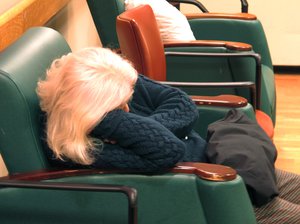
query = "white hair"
x=79 y=90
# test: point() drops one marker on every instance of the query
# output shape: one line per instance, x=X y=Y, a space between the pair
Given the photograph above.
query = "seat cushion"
x=172 y=24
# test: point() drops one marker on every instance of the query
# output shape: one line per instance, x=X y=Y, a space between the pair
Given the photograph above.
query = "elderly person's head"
x=79 y=90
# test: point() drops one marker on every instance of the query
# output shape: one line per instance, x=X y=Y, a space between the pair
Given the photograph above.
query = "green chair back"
x=20 y=69
x=168 y=198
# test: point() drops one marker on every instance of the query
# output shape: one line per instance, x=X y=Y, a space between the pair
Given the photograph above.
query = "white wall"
x=280 y=21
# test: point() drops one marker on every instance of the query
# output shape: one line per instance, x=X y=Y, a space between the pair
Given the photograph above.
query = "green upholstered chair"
x=236 y=27
x=140 y=42
x=240 y=27
x=34 y=192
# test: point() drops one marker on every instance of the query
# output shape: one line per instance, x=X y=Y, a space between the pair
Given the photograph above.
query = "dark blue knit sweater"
x=156 y=133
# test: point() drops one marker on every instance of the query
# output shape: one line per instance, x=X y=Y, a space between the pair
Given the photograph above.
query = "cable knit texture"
x=156 y=133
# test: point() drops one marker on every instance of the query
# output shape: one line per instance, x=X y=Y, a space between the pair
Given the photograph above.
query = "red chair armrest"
x=265 y=122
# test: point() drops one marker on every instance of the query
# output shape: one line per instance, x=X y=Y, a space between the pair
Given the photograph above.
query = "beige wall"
x=3 y=170
x=7 y=4
x=280 y=21
x=76 y=25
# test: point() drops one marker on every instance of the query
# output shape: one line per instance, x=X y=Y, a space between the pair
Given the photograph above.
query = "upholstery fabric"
x=240 y=143
x=172 y=24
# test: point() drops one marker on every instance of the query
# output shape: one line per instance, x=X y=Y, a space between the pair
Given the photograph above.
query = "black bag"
x=240 y=143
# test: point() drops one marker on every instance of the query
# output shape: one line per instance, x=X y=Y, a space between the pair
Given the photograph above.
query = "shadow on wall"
x=74 y=20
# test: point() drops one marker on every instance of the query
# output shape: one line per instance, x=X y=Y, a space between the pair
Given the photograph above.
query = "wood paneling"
x=287 y=130
x=26 y=14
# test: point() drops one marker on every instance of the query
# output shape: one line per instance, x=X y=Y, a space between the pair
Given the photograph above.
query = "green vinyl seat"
x=34 y=192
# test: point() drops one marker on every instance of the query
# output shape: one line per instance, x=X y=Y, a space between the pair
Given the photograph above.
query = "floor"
x=287 y=130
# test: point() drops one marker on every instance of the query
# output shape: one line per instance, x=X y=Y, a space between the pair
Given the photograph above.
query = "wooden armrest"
x=51 y=174
x=25 y=14
x=239 y=16
x=203 y=170
x=238 y=46
x=206 y=171
x=221 y=100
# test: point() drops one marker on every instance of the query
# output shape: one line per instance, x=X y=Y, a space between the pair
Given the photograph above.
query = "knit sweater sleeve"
x=173 y=108
x=141 y=143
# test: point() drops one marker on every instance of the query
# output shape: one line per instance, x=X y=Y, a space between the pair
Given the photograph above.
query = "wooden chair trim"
x=26 y=14
x=51 y=174
x=237 y=46
x=221 y=100
x=239 y=16
x=205 y=171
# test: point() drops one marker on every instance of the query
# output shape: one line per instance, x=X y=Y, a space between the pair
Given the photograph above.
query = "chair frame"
x=244 y=4
x=34 y=180
x=255 y=87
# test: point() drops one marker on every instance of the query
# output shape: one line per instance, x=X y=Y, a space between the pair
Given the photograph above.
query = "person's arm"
x=141 y=143
x=173 y=108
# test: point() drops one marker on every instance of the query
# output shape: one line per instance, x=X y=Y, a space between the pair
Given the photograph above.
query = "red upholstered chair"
x=140 y=42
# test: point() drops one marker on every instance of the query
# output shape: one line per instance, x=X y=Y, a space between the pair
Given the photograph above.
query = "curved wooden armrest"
x=239 y=16
x=203 y=170
x=51 y=174
x=238 y=46
x=221 y=100
x=206 y=171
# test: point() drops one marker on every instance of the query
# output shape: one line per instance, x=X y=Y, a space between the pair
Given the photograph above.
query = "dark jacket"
x=156 y=133
x=240 y=143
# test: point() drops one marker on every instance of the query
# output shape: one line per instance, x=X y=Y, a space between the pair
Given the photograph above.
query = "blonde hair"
x=79 y=90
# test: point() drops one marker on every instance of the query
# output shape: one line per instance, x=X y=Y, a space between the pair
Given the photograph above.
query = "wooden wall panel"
x=26 y=14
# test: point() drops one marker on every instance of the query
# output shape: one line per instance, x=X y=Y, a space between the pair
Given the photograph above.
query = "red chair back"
x=140 y=41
